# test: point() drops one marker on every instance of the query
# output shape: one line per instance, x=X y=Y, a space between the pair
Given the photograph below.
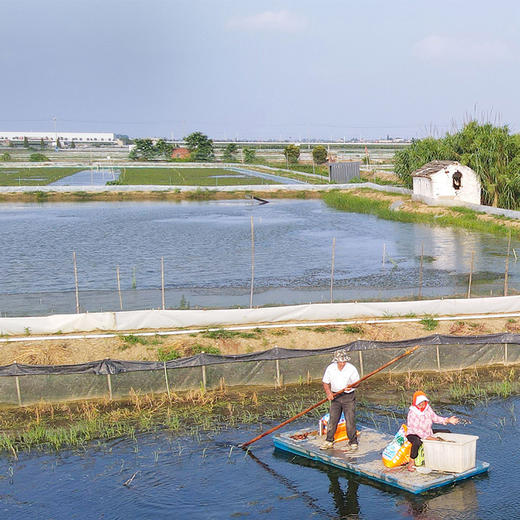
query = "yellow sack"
x=397 y=452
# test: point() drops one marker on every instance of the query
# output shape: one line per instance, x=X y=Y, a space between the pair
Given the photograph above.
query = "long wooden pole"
x=307 y=410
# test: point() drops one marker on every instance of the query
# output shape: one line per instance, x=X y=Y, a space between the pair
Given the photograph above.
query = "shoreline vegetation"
x=359 y=200
x=382 y=401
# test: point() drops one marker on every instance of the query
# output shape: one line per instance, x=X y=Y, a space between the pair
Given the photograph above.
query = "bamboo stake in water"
x=162 y=283
x=506 y=274
x=119 y=288
x=470 y=273
x=421 y=271
x=307 y=410
x=76 y=280
x=332 y=269
x=252 y=262
x=384 y=253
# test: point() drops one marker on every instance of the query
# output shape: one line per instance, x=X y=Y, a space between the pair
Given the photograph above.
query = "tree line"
x=201 y=148
x=491 y=151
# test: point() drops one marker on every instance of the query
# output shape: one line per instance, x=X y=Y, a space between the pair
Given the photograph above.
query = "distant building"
x=343 y=172
x=66 y=138
x=180 y=153
x=446 y=180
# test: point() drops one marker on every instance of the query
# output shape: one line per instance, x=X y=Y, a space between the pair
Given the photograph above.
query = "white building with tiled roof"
x=446 y=180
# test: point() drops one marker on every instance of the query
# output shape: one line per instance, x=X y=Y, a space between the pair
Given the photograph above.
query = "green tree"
x=6 y=156
x=42 y=143
x=144 y=150
x=163 y=148
x=72 y=144
x=38 y=157
x=58 y=143
x=200 y=146
x=320 y=154
x=229 y=152
x=292 y=153
x=249 y=155
x=25 y=142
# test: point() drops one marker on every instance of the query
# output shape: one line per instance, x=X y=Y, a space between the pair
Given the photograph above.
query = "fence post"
x=438 y=359
x=506 y=273
x=109 y=381
x=505 y=353
x=76 y=280
x=277 y=364
x=421 y=271
x=119 y=288
x=166 y=380
x=252 y=262
x=360 y=363
x=162 y=284
x=18 y=393
x=471 y=273
x=332 y=269
x=203 y=367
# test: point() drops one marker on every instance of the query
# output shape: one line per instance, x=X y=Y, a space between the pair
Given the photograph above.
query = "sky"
x=259 y=69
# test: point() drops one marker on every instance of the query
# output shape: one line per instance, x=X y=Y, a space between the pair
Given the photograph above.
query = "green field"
x=34 y=176
x=187 y=177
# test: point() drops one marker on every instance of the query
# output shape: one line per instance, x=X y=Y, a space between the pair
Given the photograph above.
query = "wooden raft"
x=366 y=461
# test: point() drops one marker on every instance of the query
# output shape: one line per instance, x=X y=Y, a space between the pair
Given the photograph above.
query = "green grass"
x=353 y=329
x=167 y=354
x=465 y=218
x=429 y=323
x=40 y=176
x=175 y=176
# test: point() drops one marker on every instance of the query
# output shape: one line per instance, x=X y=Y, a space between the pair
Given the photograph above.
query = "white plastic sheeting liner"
x=159 y=319
x=58 y=323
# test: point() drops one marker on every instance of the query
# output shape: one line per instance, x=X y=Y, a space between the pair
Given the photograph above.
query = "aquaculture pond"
x=207 y=254
x=203 y=476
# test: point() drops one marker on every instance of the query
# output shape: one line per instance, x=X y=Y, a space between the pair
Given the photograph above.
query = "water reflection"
x=346 y=502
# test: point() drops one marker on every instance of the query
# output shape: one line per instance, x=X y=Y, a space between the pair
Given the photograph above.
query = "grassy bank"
x=364 y=201
x=34 y=176
x=175 y=195
x=383 y=397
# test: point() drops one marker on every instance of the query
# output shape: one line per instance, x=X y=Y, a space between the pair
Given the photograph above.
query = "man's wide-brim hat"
x=340 y=356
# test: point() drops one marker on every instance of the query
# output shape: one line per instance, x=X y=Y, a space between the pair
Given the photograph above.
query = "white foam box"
x=455 y=454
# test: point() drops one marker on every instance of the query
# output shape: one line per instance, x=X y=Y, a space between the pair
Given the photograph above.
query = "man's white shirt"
x=340 y=379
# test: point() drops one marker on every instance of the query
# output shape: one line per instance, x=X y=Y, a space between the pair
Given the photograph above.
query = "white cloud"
x=282 y=21
x=457 y=49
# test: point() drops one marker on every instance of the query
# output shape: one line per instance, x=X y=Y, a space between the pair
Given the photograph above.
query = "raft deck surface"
x=366 y=461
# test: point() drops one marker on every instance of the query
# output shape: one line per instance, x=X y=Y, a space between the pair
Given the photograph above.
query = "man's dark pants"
x=345 y=403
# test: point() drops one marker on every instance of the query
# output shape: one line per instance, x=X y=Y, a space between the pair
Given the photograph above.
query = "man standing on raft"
x=338 y=375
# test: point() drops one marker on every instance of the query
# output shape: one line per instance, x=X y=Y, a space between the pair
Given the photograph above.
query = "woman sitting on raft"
x=419 y=423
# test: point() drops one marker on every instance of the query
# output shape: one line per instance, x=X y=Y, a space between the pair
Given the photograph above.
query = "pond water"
x=202 y=477
x=92 y=177
x=207 y=255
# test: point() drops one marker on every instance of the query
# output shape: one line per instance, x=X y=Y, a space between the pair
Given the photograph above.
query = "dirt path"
x=152 y=348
